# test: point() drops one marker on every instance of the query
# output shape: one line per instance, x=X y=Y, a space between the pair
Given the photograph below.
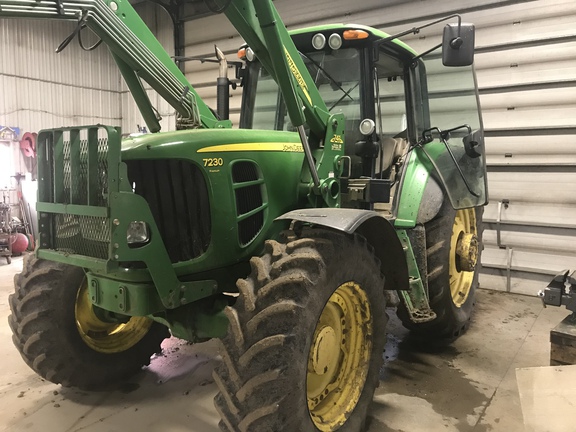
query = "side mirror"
x=458 y=45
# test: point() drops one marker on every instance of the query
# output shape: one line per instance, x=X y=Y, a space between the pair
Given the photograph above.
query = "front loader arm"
x=262 y=28
x=259 y=24
x=135 y=49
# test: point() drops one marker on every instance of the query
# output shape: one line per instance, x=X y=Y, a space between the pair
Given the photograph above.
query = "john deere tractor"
x=355 y=182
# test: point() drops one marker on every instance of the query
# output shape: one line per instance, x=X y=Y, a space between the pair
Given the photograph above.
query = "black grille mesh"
x=177 y=194
x=250 y=227
x=248 y=198
x=244 y=171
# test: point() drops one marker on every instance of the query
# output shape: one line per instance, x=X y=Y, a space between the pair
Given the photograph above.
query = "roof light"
x=318 y=41
x=335 y=41
x=355 y=34
x=242 y=53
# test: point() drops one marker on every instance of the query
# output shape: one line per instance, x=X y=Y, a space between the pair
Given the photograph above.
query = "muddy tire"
x=452 y=289
x=48 y=334
x=306 y=306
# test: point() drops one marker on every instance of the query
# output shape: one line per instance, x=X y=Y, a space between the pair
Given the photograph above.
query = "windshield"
x=337 y=77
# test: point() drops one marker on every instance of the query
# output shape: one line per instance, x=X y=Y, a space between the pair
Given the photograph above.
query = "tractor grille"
x=76 y=234
x=250 y=205
x=250 y=227
x=248 y=198
x=177 y=194
x=244 y=171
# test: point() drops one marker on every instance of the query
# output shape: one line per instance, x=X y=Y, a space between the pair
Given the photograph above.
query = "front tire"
x=306 y=336
x=59 y=336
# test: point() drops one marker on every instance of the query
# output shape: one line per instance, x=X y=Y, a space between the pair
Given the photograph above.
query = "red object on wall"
x=28 y=144
x=19 y=243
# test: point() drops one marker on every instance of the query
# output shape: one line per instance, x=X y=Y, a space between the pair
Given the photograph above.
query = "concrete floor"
x=469 y=386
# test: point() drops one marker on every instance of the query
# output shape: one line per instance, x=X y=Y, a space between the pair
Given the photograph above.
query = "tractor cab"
x=393 y=101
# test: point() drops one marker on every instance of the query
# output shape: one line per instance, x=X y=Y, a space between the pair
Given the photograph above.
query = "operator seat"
x=392 y=149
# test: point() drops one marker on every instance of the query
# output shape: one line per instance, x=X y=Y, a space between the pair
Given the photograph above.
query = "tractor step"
x=416 y=298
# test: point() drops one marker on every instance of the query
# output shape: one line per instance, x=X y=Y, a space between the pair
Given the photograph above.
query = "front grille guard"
x=85 y=205
x=77 y=173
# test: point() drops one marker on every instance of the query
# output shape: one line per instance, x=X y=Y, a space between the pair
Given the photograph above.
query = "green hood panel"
x=275 y=156
x=189 y=143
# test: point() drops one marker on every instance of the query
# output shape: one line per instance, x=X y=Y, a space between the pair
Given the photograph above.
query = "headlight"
x=137 y=233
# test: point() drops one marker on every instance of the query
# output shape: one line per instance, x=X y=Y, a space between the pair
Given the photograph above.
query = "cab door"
x=450 y=128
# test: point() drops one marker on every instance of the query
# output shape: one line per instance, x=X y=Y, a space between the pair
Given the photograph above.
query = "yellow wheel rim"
x=103 y=336
x=463 y=255
x=339 y=357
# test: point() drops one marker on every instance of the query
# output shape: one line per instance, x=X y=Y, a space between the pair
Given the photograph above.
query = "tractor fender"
x=421 y=195
x=432 y=200
x=378 y=231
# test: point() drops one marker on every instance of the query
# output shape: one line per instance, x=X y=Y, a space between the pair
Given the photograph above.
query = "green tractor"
x=355 y=182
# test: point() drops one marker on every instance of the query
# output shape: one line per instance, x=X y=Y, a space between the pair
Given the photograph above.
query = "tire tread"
x=253 y=375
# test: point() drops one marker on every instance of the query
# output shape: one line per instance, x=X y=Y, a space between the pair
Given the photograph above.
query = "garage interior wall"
x=526 y=66
x=42 y=89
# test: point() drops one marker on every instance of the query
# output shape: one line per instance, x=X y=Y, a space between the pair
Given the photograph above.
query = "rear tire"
x=452 y=290
x=311 y=312
x=46 y=330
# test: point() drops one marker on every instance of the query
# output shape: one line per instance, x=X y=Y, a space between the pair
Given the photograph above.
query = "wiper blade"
x=335 y=104
x=332 y=80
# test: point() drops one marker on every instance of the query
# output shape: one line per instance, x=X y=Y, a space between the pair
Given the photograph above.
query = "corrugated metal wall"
x=526 y=65
x=42 y=89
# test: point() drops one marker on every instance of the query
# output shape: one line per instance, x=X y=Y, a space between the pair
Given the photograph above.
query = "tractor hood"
x=187 y=143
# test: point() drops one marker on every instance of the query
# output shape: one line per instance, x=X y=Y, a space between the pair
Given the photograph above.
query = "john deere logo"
x=337 y=139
